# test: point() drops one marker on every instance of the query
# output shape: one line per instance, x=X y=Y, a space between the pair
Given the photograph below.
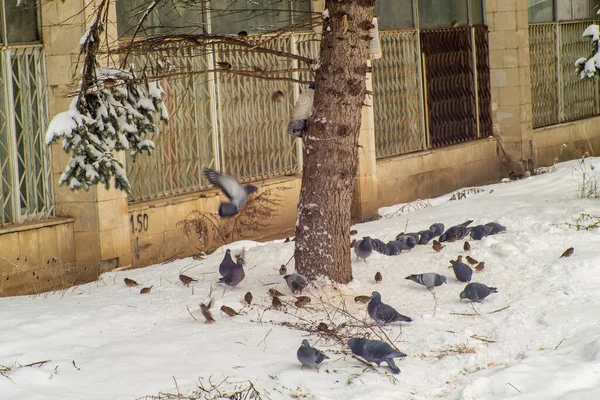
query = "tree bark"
x=331 y=144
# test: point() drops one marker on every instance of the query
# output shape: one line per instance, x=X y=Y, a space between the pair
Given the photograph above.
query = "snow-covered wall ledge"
x=579 y=136
x=431 y=173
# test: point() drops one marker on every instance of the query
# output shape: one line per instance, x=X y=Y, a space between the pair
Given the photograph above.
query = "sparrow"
x=186 y=279
x=378 y=277
x=437 y=246
x=248 y=298
x=472 y=261
x=146 y=290
x=466 y=246
x=229 y=311
x=568 y=252
x=130 y=282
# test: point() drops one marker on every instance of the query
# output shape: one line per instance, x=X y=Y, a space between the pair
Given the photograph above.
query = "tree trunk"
x=331 y=144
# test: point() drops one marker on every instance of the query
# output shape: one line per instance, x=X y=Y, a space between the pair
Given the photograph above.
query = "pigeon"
x=412 y=234
x=437 y=246
x=437 y=229
x=235 y=275
x=403 y=243
x=282 y=270
x=227 y=265
x=376 y=351
x=456 y=232
x=462 y=271
x=472 y=261
x=235 y=191
x=428 y=279
x=363 y=248
x=309 y=356
x=187 y=279
x=466 y=246
x=302 y=110
x=392 y=248
x=478 y=232
x=248 y=298
x=383 y=313
x=379 y=246
x=568 y=252
x=477 y=292
x=425 y=237
x=296 y=282
x=378 y=277
x=494 y=228
x=130 y=282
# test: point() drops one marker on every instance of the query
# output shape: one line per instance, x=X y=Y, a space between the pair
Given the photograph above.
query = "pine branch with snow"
x=114 y=111
x=587 y=67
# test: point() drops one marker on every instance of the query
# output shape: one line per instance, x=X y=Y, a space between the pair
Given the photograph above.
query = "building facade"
x=466 y=92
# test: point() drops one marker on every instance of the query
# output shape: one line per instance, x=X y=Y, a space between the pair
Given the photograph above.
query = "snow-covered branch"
x=588 y=67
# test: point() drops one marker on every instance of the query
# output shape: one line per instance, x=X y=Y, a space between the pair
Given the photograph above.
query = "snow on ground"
x=106 y=341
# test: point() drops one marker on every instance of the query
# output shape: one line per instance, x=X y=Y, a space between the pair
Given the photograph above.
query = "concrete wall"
x=431 y=173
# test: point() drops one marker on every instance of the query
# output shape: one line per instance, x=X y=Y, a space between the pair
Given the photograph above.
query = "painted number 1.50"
x=139 y=222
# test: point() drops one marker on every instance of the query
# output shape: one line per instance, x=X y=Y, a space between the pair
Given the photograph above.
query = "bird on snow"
x=234 y=190
x=478 y=232
x=248 y=297
x=206 y=312
x=130 y=282
x=227 y=265
x=235 y=275
x=494 y=228
x=456 y=232
x=568 y=252
x=462 y=271
x=186 y=280
x=378 y=277
x=413 y=234
x=309 y=356
x=363 y=248
x=425 y=236
x=403 y=243
x=437 y=229
x=376 y=351
x=466 y=246
x=283 y=270
x=472 y=261
x=379 y=246
x=476 y=292
x=428 y=279
x=296 y=282
x=382 y=313
x=437 y=246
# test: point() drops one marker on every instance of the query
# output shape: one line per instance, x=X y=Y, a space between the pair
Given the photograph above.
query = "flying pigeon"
x=376 y=351
x=302 y=110
x=235 y=191
x=363 y=248
x=425 y=237
x=456 y=232
x=477 y=292
x=428 y=279
x=309 y=356
x=296 y=282
x=227 y=265
x=462 y=271
x=494 y=227
x=383 y=313
x=437 y=229
x=235 y=275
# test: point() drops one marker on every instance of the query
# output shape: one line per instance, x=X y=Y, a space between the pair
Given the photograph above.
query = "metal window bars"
x=557 y=93
x=25 y=170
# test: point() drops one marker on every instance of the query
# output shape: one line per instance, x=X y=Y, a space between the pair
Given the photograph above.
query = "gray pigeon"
x=376 y=351
x=227 y=264
x=462 y=271
x=363 y=248
x=296 y=282
x=379 y=246
x=477 y=291
x=428 y=279
x=234 y=276
x=456 y=232
x=437 y=229
x=414 y=235
x=494 y=228
x=478 y=232
x=383 y=313
x=393 y=248
x=309 y=356
x=235 y=191
x=403 y=243
x=425 y=237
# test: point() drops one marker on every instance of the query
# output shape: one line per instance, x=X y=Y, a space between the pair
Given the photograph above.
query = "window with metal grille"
x=25 y=186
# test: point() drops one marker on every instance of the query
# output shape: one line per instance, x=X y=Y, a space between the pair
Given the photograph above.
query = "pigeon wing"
x=227 y=183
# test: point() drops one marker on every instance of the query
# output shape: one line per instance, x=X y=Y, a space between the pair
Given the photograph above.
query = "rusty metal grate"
x=450 y=85
x=484 y=94
x=397 y=99
x=544 y=77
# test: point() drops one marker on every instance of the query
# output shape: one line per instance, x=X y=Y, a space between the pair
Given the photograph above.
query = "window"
x=22 y=21
x=562 y=10
x=226 y=16
x=394 y=14
x=443 y=13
